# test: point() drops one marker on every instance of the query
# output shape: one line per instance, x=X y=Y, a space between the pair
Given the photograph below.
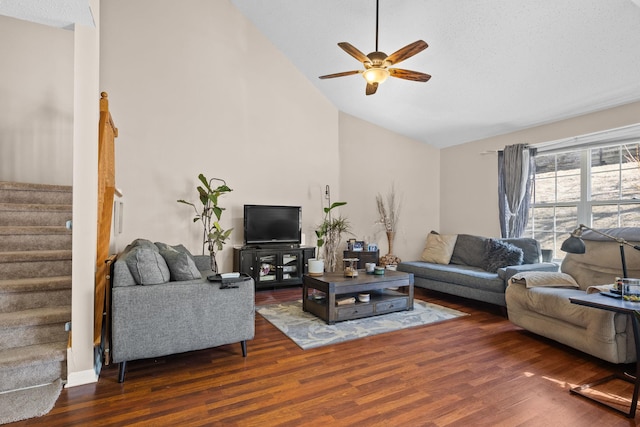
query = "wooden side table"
x=363 y=257
x=619 y=306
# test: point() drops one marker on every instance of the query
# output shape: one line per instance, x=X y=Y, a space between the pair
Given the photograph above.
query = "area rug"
x=308 y=331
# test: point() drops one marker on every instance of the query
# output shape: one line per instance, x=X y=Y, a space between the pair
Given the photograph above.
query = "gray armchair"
x=159 y=319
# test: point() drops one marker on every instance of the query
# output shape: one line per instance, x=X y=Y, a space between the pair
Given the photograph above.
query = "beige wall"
x=189 y=100
x=469 y=200
x=198 y=90
x=80 y=361
x=373 y=160
x=36 y=103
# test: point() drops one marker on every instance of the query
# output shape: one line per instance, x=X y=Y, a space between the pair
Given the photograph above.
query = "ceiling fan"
x=376 y=64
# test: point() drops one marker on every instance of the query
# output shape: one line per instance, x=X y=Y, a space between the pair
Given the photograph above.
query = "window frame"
x=584 y=206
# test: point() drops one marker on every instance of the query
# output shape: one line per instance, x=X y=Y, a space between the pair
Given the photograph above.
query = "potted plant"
x=329 y=235
x=315 y=266
x=214 y=236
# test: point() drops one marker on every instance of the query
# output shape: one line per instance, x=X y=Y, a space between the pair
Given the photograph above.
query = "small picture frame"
x=372 y=247
x=358 y=246
x=350 y=244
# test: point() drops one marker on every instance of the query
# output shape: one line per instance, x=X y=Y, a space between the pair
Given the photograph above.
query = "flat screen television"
x=265 y=224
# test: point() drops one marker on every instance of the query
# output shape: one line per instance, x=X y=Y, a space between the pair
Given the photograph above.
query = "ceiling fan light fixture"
x=375 y=75
x=377 y=63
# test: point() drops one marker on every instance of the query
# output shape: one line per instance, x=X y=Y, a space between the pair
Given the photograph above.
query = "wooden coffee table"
x=390 y=292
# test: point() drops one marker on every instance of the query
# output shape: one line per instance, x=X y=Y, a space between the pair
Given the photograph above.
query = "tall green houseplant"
x=214 y=236
x=329 y=234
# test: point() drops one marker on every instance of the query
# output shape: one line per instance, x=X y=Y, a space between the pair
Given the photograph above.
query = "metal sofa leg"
x=123 y=366
x=244 y=348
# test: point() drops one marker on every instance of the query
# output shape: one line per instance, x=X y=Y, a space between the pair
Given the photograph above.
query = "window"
x=595 y=186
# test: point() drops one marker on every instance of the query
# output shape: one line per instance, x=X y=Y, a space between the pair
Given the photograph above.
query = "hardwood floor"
x=477 y=370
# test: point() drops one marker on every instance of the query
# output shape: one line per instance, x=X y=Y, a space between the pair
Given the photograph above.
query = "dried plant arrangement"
x=388 y=213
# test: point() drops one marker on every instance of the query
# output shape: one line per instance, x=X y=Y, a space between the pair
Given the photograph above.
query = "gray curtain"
x=516 y=168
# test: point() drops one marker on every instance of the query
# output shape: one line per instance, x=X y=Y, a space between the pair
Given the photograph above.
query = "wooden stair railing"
x=107 y=133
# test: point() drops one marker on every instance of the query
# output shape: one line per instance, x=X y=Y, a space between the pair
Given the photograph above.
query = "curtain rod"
x=485 y=152
x=620 y=135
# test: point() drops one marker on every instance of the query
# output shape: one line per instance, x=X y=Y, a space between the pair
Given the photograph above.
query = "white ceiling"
x=497 y=65
x=57 y=13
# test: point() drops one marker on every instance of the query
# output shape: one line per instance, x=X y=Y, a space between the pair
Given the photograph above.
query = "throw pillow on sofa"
x=530 y=248
x=469 y=250
x=144 y=243
x=439 y=248
x=500 y=254
x=180 y=262
x=147 y=266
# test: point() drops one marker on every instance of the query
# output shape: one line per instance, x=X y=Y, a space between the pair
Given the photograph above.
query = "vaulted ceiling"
x=497 y=66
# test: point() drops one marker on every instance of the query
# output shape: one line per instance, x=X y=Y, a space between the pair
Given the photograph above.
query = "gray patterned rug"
x=308 y=331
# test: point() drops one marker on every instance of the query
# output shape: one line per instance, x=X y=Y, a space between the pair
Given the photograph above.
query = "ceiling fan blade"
x=345 y=73
x=371 y=88
x=416 y=76
x=407 y=52
x=353 y=51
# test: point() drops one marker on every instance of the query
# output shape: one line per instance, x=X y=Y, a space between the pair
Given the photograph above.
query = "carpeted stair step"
x=32 y=365
x=27 y=264
x=35 y=284
x=34 y=326
x=17 y=192
x=34 y=238
x=23 y=294
x=17 y=214
x=29 y=403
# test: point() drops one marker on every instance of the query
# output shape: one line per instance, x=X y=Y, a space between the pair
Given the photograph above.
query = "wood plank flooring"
x=478 y=370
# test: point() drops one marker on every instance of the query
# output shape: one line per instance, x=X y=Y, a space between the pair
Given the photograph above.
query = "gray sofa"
x=471 y=270
x=162 y=303
x=539 y=302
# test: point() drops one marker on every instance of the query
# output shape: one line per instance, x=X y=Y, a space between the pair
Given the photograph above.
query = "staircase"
x=35 y=297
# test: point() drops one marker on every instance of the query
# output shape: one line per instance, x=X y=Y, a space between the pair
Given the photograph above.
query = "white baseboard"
x=81 y=378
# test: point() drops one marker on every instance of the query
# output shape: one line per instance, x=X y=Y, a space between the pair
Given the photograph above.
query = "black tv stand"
x=272 y=265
